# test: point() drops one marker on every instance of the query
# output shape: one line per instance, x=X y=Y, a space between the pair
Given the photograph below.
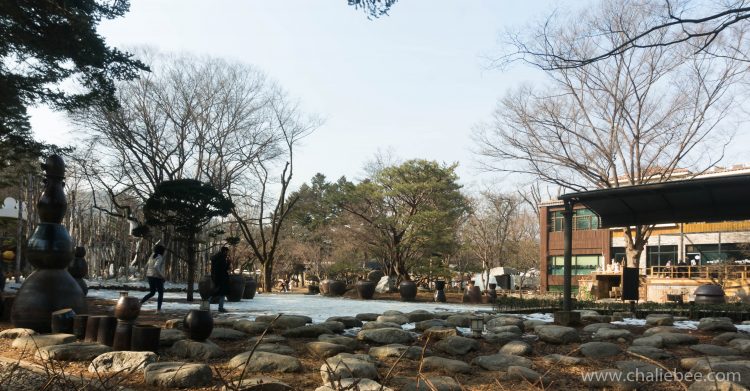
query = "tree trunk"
x=191 y=268
x=268 y=276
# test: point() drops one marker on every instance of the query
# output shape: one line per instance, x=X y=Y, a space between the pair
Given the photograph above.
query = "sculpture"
x=50 y=250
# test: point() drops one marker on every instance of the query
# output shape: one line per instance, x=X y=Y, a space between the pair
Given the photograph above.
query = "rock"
x=367 y=317
x=334 y=326
x=275 y=348
x=124 y=362
x=33 y=342
x=738 y=371
x=594 y=327
x=177 y=375
x=671 y=339
x=517 y=348
x=613 y=379
x=714 y=350
x=227 y=334
x=501 y=362
x=361 y=385
x=719 y=385
x=419 y=316
x=446 y=314
x=530 y=324
x=560 y=359
x=599 y=349
x=17 y=332
x=660 y=329
x=505 y=329
x=650 y=352
x=348 y=342
x=325 y=349
x=743 y=345
x=266 y=362
x=724 y=338
x=505 y=321
x=515 y=372
x=386 y=284
x=437 y=383
x=459 y=321
x=227 y=323
x=380 y=325
x=605 y=334
x=348 y=321
x=385 y=336
x=653 y=341
x=641 y=368
x=250 y=327
x=435 y=363
x=716 y=324
x=426 y=324
x=557 y=334
x=456 y=346
x=259 y=383
x=501 y=338
x=396 y=350
x=187 y=348
x=173 y=324
x=311 y=331
x=284 y=321
x=438 y=333
x=396 y=318
x=704 y=364
x=167 y=337
x=268 y=338
x=343 y=366
x=659 y=320
x=76 y=351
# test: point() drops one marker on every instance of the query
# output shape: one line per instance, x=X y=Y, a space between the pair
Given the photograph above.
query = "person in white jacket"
x=155 y=275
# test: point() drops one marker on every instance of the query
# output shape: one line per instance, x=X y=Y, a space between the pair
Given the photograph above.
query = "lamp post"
x=477 y=326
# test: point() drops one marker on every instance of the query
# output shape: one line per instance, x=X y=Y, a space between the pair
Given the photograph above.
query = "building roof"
x=707 y=199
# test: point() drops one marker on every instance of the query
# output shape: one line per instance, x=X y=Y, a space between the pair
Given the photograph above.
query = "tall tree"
x=634 y=118
x=187 y=206
x=45 y=45
x=407 y=213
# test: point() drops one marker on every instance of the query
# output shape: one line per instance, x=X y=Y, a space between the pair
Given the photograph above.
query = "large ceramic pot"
x=375 y=276
x=366 y=289
x=336 y=288
x=313 y=289
x=79 y=326
x=492 y=292
x=324 y=286
x=475 y=295
x=205 y=287
x=709 y=294
x=145 y=338
x=440 y=292
x=250 y=287
x=123 y=335
x=236 y=288
x=408 y=290
x=106 y=333
x=198 y=324
x=127 y=307
x=62 y=321
x=92 y=328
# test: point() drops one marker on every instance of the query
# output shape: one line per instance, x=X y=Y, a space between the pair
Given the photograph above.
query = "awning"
x=720 y=198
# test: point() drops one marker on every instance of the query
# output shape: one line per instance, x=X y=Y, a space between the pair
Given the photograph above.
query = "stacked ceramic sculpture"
x=126 y=311
x=79 y=269
x=50 y=250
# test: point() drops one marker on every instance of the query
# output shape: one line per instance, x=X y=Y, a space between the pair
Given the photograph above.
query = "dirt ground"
x=557 y=377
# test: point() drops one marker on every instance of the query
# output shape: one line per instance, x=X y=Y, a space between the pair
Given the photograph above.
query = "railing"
x=725 y=272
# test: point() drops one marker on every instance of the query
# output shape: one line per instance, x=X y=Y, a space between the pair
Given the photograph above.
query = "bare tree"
x=633 y=118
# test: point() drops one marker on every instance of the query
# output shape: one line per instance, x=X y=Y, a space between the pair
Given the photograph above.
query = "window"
x=583 y=219
x=660 y=255
x=619 y=255
x=713 y=253
x=581 y=264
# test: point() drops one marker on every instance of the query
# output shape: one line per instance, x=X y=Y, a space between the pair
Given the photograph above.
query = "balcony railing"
x=724 y=272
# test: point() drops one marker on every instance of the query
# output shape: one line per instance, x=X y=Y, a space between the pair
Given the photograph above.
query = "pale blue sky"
x=415 y=81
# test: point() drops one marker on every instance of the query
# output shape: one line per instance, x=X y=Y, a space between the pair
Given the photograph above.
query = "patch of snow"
x=631 y=322
x=686 y=325
x=745 y=328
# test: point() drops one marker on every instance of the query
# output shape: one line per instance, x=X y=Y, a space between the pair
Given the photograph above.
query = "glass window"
x=619 y=255
x=583 y=219
x=713 y=253
x=660 y=255
x=581 y=264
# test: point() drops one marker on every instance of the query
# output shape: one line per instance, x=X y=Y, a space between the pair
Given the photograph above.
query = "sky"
x=415 y=83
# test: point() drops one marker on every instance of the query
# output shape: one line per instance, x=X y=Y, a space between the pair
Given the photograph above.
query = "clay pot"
x=492 y=293
x=475 y=295
x=250 y=287
x=145 y=338
x=127 y=308
x=92 y=328
x=123 y=334
x=375 y=276
x=324 y=286
x=439 y=291
x=62 y=321
x=50 y=247
x=205 y=287
x=313 y=289
x=236 y=288
x=44 y=292
x=709 y=294
x=79 y=326
x=408 y=290
x=366 y=289
x=106 y=332
x=198 y=324
x=336 y=288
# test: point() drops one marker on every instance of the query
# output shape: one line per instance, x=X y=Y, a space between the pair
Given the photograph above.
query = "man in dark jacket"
x=220 y=275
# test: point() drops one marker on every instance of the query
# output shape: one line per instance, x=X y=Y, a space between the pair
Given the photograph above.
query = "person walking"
x=155 y=276
x=220 y=275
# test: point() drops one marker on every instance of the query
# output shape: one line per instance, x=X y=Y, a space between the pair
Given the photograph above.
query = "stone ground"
x=555 y=376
